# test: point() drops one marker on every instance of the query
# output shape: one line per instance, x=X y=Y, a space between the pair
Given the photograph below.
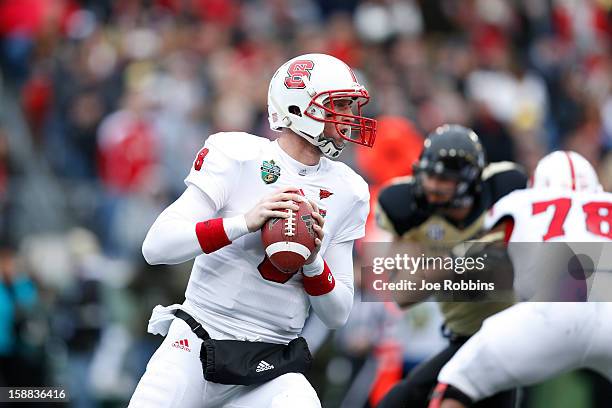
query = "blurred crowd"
x=104 y=105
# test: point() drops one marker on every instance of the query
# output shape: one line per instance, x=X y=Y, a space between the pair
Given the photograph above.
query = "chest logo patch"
x=435 y=232
x=270 y=171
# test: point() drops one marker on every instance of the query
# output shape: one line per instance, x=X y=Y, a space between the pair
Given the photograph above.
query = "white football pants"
x=174 y=378
x=529 y=343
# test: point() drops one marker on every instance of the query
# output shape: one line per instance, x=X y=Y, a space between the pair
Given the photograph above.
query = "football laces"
x=290 y=223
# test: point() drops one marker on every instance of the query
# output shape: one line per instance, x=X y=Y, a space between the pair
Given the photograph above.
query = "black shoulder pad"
x=399 y=203
x=504 y=182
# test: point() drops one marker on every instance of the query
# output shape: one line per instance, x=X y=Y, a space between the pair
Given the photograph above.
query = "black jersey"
x=407 y=215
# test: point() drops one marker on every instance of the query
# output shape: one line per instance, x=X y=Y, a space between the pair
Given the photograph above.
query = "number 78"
x=594 y=219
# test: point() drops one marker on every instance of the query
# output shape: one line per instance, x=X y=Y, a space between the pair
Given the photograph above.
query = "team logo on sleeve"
x=270 y=172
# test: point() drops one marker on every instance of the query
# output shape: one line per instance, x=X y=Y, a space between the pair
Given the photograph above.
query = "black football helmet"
x=453 y=152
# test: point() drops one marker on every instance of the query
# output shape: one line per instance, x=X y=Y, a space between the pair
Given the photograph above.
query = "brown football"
x=288 y=242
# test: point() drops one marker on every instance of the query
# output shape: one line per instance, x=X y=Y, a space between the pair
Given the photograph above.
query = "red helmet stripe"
x=572 y=171
x=352 y=73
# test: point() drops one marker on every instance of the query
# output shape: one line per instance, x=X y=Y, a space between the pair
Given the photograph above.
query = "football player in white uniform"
x=531 y=342
x=236 y=183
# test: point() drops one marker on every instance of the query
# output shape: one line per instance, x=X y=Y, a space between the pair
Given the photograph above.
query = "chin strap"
x=330 y=150
x=326 y=146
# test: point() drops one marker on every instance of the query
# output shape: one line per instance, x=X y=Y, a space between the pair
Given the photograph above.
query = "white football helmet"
x=566 y=170
x=304 y=90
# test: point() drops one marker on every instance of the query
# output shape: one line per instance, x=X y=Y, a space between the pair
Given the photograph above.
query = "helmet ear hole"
x=295 y=110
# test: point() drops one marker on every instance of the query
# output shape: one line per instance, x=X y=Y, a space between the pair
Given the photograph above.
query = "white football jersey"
x=226 y=289
x=542 y=215
x=547 y=215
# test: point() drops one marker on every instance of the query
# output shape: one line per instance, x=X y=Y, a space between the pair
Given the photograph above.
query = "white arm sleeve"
x=172 y=238
x=333 y=308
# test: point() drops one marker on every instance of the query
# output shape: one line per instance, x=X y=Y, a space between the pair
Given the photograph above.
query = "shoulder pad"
x=495 y=168
x=397 y=193
x=239 y=146
x=398 y=204
x=505 y=207
x=502 y=178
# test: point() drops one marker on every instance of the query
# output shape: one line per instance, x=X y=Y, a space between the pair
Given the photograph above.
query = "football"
x=289 y=242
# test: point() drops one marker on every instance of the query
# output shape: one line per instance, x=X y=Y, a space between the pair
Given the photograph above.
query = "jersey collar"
x=295 y=166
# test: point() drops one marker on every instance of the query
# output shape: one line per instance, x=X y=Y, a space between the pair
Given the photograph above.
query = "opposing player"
x=443 y=204
x=530 y=342
x=237 y=182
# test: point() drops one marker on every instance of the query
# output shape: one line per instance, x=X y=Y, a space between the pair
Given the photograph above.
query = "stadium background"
x=104 y=104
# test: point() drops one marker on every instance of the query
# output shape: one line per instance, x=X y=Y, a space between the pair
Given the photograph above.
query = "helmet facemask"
x=354 y=128
x=462 y=196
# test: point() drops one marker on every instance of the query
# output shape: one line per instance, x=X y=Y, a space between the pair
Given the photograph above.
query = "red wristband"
x=438 y=395
x=211 y=235
x=320 y=284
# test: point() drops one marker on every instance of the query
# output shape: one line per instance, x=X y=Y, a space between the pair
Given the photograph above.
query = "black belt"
x=193 y=323
x=238 y=362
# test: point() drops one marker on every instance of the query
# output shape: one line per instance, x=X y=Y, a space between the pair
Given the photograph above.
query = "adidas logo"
x=182 y=345
x=263 y=366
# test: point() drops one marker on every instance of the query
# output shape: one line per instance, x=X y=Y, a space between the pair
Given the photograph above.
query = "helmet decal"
x=296 y=71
